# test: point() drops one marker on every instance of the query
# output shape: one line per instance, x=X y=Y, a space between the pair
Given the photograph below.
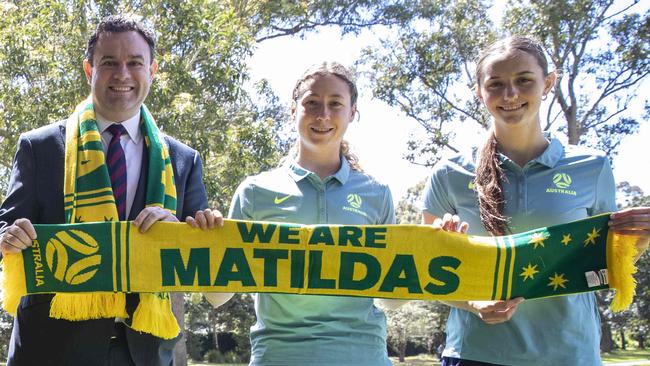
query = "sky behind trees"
x=380 y=135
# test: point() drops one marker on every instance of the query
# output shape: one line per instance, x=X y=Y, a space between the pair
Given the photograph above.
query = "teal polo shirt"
x=561 y=185
x=307 y=329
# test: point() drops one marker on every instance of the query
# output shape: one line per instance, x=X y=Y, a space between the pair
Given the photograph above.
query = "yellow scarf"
x=389 y=261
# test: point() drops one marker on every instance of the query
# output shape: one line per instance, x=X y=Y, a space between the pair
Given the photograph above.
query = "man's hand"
x=17 y=237
x=205 y=219
x=150 y=215
x=494 y=312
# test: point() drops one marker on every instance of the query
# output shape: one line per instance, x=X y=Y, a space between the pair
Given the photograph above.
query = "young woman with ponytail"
x=312 y=186
x=522 y=179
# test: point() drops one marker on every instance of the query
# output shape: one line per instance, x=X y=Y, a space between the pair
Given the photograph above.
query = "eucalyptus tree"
x=600 y=48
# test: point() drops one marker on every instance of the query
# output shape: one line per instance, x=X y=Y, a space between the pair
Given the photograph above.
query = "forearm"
x=641 y=246
x=194 y=195
x=20 y=202
x=390 y=304
x=464 y=305
x=217 y=299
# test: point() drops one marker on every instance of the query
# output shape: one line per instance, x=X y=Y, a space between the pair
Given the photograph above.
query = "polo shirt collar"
x=343 y=173
x=298 y=173
x=549 y=158
x=131 y=125
x=553 y=153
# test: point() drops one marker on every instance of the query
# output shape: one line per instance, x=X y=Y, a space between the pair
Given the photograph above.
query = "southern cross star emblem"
x=566 y=239
x=592 y=236
x=537 y=239
x=529 y=272
x=557 y=281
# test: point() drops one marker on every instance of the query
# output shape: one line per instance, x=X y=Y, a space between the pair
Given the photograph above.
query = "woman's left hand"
x=450 y=222
x=633 y=221
x=205 y=219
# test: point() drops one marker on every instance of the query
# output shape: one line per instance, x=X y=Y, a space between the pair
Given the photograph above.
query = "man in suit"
x=120 y=67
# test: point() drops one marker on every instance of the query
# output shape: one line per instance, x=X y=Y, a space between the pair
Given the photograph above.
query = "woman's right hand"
x=494 y=312
x=491 y=312
x=450 y=222
x=205 y=219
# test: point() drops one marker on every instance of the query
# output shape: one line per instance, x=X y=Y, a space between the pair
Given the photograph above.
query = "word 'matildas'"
x=285 y=259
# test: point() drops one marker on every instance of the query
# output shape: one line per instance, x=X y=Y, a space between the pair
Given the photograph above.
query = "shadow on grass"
x=627 y=355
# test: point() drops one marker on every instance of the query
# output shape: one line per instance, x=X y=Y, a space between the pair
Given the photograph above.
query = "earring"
x=545 y=96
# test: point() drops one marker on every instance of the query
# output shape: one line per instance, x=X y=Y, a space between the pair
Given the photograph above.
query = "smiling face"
x=121 y=74
x=322 y=112
x=512 y=85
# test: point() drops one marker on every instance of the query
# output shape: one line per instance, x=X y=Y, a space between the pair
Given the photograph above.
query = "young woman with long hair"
x=313 y=185
x=510 y=186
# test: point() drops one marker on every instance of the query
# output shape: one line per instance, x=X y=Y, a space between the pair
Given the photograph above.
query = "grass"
x=630 y=355
x=627 y=356
x=419 y=360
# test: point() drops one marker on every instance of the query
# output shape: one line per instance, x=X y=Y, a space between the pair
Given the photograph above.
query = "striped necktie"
x=116 y=162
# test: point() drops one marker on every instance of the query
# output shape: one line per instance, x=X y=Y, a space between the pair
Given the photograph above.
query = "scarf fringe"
x=621 y=251
x=85 y=306
x=13 y=282
x=154 y=315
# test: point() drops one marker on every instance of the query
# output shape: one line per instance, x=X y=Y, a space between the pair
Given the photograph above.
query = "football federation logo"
x=72 y=256
x=562 y=180
x=354 y=200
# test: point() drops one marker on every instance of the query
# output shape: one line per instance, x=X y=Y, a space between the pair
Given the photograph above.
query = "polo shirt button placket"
x=323 y=207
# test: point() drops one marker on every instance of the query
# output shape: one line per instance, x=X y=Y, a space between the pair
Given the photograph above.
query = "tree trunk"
x=180 y=350
x=606 y=341
x=623 y=342
x=402 y=352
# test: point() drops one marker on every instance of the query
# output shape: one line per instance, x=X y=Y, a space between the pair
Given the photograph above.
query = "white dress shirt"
x=132 y=146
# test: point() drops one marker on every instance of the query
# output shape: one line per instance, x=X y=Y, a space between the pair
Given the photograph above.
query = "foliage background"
x=204 y=96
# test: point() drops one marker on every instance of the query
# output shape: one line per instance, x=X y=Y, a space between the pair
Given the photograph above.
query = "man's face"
x=121 y=74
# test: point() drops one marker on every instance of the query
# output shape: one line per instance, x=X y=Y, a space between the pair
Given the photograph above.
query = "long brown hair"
x=489 y=174
x=340 y=71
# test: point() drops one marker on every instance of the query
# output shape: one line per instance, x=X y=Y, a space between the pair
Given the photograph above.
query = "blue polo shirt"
x=561 y=185
x=307 y=329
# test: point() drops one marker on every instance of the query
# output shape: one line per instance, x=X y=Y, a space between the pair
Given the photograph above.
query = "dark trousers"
x=118 y=351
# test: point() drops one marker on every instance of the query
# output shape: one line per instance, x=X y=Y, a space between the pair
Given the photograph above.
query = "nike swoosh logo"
x=84 y=162
x=278 y=201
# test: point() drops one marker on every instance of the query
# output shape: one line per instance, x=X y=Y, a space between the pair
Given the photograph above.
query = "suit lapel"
x=62 y=137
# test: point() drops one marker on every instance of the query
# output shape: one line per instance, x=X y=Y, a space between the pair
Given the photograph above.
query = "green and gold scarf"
x=387 y=261
x=89 y=198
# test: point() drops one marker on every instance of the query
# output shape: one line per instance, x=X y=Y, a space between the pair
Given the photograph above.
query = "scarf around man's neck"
x=89 y=197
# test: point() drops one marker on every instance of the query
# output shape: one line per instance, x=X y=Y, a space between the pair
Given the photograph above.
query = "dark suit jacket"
x=36 y=192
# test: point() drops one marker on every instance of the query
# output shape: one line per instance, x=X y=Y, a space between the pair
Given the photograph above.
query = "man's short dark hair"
x=117 y=24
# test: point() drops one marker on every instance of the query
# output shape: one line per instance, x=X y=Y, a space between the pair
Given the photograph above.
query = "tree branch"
x=598 y=123
x=619 y=12
x=613 y=87
x=427 y=126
